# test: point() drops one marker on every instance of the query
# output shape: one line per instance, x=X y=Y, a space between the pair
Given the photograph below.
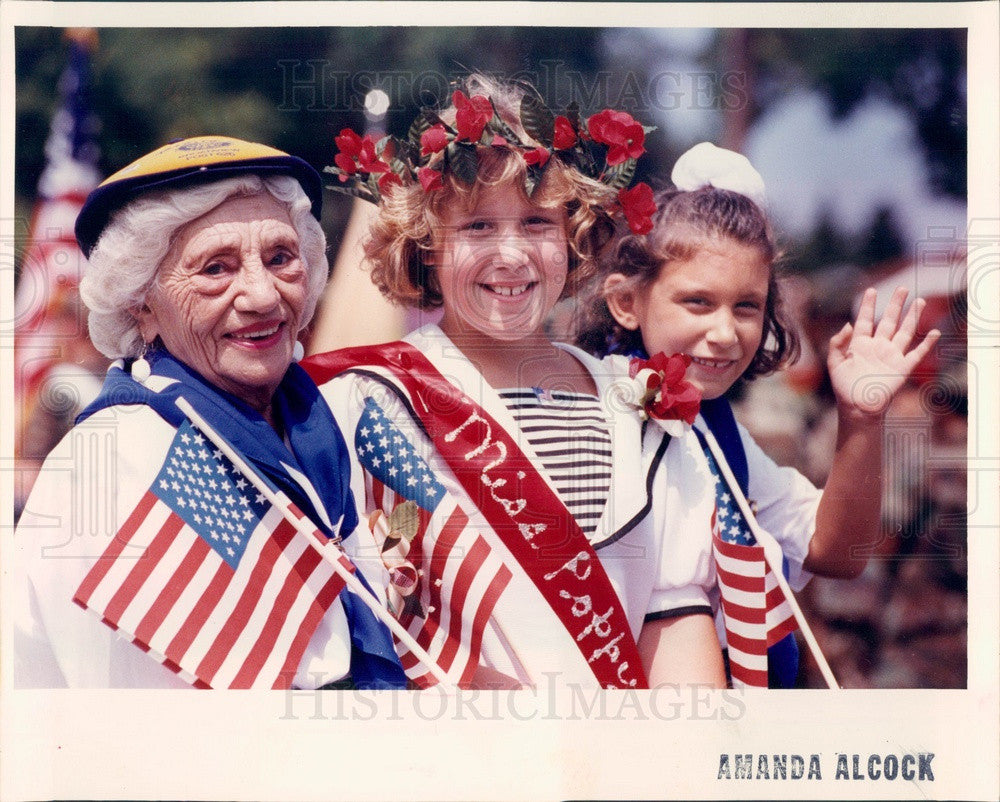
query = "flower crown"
x=368 y=169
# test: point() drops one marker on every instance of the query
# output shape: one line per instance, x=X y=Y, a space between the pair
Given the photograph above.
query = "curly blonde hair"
x=402 y=236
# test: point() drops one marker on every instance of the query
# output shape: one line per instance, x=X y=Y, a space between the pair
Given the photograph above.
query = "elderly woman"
x=150 y=557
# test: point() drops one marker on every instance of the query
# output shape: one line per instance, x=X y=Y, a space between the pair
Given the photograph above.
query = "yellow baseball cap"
x=189 y=161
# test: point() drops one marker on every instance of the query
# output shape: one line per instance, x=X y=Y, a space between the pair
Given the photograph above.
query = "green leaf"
x=573 y=114
x=537 y=119
x=384 y=143
x=354 y=190
x=463 y=162
x=532 y=179
x=425 y=119
x=499 y=126
x=621 y=175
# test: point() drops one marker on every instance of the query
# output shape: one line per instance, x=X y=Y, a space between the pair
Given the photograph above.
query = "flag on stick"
x=461 y=578
x=327 y=549
x=209 y=577
x=759 y=608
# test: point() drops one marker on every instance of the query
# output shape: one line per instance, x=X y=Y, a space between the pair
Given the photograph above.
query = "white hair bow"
x=707 y=165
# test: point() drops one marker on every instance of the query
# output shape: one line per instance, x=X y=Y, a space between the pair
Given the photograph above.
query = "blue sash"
x=782 y=657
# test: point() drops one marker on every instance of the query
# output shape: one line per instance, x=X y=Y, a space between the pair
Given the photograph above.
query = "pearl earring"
x=140 y=368
x=298 y=351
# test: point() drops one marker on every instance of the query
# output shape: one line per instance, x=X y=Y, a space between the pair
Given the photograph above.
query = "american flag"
x=754 y=610
x=209 y=578
x=462 y=578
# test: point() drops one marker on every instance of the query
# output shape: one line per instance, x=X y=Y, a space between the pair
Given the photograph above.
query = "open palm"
x=868 y=363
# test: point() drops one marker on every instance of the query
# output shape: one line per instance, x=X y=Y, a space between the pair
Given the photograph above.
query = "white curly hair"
x=124 y=263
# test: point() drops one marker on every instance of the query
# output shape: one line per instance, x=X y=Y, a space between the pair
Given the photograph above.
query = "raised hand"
x=868 y=363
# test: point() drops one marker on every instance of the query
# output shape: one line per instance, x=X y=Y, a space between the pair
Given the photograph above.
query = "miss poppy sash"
x=516 y=501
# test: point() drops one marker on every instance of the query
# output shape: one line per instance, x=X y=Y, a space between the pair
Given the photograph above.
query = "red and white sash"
x=517 y=502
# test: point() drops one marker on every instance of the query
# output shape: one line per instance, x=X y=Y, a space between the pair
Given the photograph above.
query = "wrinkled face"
x=501 y=265
x=710 y=307
x=229 y=297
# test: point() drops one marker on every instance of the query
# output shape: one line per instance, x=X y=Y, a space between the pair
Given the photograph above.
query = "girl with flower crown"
x=500 y=473
x=701 y=283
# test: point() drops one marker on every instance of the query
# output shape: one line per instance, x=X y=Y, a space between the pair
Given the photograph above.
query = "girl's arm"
x=868 y=365
x=682 y=651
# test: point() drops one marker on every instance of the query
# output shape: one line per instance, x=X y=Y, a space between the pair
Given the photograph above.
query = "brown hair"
x=402 y=234
x=684 y=219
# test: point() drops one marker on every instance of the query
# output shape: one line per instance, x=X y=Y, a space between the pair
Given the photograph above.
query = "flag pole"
x=329 y=552
x=773 y=556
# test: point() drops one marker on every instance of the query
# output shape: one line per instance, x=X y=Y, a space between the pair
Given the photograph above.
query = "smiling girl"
x=702 y=283
x=529 y=556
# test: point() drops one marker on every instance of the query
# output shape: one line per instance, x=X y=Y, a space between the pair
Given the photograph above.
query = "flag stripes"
x=209 y=577
x=461 y=577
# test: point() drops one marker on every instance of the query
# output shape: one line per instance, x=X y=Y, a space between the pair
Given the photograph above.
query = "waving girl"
x=702 y=283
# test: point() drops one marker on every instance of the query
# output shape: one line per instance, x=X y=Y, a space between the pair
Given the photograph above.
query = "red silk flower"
x=433 y=140
x=471 y=115
x=349 y=143
x=537 y=156
x=357 y=153
x=429 y=179
x=639 y=207
x=564 y=135
x=389 y=180
x=663 y=393
x=368 y=160
x=618 y=130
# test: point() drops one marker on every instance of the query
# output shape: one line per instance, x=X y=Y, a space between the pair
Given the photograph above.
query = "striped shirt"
x=571 y=436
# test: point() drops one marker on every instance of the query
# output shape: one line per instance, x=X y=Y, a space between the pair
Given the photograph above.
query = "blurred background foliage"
x=297 y=87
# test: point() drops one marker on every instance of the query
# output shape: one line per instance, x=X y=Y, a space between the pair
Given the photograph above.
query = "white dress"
x=658 y=505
